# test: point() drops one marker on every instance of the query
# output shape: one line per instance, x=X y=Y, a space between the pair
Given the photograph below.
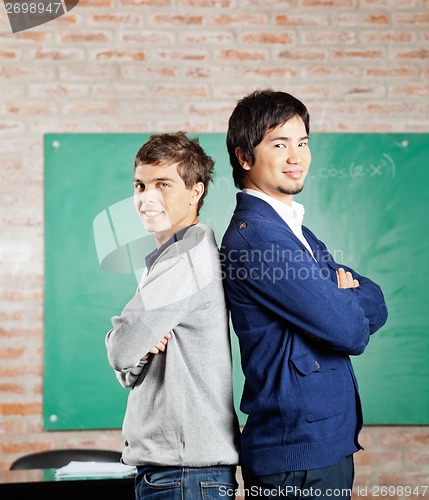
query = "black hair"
x=253 y=117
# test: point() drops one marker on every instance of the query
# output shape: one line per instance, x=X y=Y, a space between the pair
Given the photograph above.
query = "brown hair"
x=193 y=164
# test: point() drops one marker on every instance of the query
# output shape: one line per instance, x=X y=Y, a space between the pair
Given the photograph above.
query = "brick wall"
x=158 y=65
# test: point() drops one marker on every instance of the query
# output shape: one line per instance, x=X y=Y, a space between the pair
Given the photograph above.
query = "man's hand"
x=345 y=279
x=159 y=347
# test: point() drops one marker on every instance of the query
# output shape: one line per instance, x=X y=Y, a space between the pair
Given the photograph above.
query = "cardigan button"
x=317 y=364
x=243 y=225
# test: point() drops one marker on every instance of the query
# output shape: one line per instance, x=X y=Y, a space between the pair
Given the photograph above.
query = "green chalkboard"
x=366 y=197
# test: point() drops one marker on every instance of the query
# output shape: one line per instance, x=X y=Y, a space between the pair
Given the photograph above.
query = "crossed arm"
x=127 y=378
x=345 y=279
x=159 y=347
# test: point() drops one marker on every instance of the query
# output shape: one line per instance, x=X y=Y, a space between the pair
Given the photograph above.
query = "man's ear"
x=242 y=160
x=197 y=192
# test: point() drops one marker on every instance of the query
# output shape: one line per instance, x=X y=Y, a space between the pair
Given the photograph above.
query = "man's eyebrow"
x=155 y=179
x=286 y=139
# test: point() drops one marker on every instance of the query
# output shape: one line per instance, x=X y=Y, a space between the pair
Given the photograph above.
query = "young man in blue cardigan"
x=298 y=314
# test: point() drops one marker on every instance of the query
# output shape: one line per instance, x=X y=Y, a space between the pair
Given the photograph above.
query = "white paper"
x=95 y=469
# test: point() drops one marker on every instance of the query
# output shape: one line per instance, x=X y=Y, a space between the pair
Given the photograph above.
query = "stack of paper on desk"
x=95 y=469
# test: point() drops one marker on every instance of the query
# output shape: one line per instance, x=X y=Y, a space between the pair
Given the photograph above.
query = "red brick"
x=301 y=20
x=115 y=19
x=12 y=316
x=19 y=295
x=67 y=20
x=65 y=54
x=387 y=3
x=15 y=427
x=73 y=37
x=270 y=73
x=24 y=36
x=138 y=72
x=91 y=107
x=404 y=477
x=418 y=19
x=241 y=55
x=210 y=109
x=12 y=389
x=360 y=19
x=241 y=19
x=28 y=108
x=412 y=54
x=43 y=90
x=403 y=72
x=86 y=73
x=185 y=55
x=147 y=3
x=303 y=55
x=119 y=89
x=17 y=333
x=26 y=73
x=190 y=126
x=269 y=38
x=268 y=3
x=340 y=4
x=207 y=37
x=176 y=90
x=392 y=108
x=369 y=37
x=9 y=126
x=9 y=54
x=418 y=458
x=20 y=409
x=95 y=3
x=331 y=72
x=21 y=448
x=177 y=20
x=359 y=54
x=330 y=37
x=148 y=37
x=402 y=437
x=411 y=91
x=221 y=4
x=120 y=55
x=211 y=72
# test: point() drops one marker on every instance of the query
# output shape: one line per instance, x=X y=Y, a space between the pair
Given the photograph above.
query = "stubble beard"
x=290 y=191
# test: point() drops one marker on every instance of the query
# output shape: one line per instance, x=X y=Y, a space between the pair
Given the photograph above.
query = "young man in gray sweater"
x=171 y=344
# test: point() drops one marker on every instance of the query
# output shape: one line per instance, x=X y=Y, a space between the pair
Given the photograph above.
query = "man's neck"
x=287 y=199
x=162 y=237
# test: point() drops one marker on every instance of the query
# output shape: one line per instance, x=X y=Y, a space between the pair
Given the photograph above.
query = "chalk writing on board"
x=383 y=167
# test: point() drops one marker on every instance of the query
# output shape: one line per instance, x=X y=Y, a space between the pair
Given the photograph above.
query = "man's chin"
x=291 y=191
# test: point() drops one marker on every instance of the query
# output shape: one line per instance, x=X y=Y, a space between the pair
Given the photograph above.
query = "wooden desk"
x=22 y=484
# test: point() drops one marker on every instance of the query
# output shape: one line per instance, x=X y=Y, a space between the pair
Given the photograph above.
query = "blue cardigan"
x=296 y=330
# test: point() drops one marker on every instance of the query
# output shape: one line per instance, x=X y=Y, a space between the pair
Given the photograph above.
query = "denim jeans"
x=185 y=483
x=329 y=483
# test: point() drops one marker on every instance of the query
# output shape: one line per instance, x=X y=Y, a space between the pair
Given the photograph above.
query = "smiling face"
x=163 y=202
x=282 y=160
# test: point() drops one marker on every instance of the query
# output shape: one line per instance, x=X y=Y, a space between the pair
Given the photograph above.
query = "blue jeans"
x=185 y=483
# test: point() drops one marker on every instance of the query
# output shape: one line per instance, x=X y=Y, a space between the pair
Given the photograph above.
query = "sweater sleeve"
x=368 y=294
x=160 y=305
x=294 y=288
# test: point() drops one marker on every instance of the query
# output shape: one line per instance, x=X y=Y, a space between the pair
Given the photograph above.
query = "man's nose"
x=294 y=157
x=149 y=195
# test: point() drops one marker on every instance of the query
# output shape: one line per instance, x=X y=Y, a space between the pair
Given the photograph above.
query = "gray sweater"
x=180 y=408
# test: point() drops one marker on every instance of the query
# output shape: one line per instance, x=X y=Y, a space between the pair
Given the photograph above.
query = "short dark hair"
x=193 y=164
x=254 y=116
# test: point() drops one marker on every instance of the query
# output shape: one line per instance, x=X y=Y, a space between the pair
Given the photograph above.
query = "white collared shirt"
x=293 y=214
